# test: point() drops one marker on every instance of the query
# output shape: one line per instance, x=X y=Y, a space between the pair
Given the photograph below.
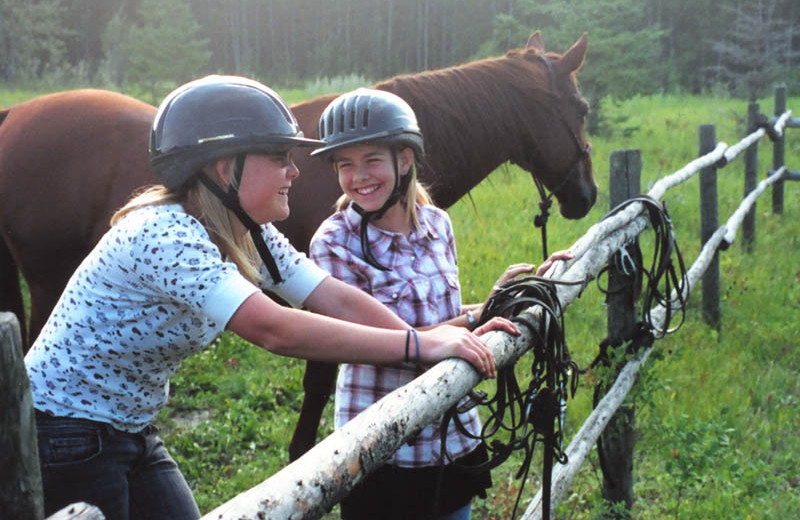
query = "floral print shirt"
x=154 y=291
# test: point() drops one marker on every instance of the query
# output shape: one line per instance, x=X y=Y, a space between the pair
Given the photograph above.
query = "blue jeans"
x=459 y=514
x=128 y=476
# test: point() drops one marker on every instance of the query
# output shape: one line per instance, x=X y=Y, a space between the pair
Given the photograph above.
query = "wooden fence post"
x=20 y=477
x=750 y=178
x=778 y=151
x=709 y=222
x=616 y=444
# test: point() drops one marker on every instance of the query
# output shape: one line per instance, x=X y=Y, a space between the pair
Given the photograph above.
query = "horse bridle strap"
x=583 y=151
x=546 y=199
x=230 y=200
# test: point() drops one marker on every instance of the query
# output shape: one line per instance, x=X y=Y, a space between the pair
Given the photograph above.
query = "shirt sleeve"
x=172 y=254
x=300 y=275
x=226 y=297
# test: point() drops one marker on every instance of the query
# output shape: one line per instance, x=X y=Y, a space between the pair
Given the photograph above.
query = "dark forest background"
x=738 y=47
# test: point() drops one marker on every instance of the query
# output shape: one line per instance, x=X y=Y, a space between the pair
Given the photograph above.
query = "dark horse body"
x=69 y=160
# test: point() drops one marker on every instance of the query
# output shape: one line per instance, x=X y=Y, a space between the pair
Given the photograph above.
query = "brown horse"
x=68 y=160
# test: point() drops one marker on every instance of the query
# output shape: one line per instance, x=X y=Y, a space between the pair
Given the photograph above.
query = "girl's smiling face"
x=264 y=190
x=366 y=173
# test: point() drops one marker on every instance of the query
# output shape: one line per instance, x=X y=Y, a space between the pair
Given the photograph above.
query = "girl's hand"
x=497 y=323
x=555 y=257
x=446 y=341
x=512 y=272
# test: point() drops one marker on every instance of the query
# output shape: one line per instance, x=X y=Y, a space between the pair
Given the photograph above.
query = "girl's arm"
x=339 y=300
x=300 y=334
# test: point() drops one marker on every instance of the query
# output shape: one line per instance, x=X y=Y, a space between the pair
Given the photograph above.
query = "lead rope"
x=629 y=261
x=536 y=414
x=542 y=406
x=540 y=220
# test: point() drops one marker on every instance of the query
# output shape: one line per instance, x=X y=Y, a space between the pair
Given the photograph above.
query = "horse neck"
x=471 y=122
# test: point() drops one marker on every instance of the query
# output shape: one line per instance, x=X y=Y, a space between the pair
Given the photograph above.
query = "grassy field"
x=718 y=433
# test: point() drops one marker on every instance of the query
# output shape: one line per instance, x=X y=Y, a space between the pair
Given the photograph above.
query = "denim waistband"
x=42 y=416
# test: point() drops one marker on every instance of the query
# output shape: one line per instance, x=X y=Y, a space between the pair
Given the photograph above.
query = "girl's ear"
x=222 y=167
x=405 y=159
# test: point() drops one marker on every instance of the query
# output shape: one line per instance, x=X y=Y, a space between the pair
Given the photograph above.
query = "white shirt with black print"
x=154 y=291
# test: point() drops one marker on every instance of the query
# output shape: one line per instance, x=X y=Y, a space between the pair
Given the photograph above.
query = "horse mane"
x=477 y=115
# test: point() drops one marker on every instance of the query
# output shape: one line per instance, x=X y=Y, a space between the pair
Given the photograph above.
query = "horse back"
x=72 y=157
x=67 y=162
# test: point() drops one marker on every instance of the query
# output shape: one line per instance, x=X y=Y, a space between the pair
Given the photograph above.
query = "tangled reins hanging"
x=537 y=414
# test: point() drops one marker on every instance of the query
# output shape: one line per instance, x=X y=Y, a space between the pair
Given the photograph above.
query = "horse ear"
x=573 y=58
x=535 y=42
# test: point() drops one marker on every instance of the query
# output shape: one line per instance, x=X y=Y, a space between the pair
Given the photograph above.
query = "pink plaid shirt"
x=422 y=288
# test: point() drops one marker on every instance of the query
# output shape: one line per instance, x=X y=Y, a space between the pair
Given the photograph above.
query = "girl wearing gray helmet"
x=182 y=262
x=389 y=240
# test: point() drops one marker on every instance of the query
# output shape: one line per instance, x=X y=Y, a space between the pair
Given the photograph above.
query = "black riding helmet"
x=369 y=116
x=216 y=117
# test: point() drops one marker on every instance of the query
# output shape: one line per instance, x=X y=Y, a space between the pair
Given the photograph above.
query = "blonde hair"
x=219 y=221
x=416 y=192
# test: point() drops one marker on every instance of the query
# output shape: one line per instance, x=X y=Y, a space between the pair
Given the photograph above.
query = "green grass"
x=718 y=433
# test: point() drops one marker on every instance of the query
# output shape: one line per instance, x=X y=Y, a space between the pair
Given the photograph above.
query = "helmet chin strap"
x=400 y=188
x=230 y=200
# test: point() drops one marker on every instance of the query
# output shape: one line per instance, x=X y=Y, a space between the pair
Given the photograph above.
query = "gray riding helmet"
x=368 y=116
x=215 y=117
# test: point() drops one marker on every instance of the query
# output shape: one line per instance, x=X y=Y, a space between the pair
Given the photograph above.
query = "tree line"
x=636 y=46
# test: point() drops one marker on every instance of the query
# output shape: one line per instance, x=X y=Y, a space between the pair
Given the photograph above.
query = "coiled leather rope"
x=537 y=413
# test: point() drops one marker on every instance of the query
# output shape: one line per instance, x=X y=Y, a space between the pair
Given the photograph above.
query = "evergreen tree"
x=624 y=49
x=31 y=38
x=757 y=51
x=165 y=47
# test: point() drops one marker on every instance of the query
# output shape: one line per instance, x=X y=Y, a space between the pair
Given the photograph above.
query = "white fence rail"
x=313 y=484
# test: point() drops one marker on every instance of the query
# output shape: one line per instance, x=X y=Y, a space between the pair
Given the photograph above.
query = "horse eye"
x=584 y=108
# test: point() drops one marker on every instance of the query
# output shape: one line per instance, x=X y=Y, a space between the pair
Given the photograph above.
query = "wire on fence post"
x=709 y=222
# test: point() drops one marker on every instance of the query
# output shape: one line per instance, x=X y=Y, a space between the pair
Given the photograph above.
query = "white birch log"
x=79 y=511
x=737 y=217
x=312 y=485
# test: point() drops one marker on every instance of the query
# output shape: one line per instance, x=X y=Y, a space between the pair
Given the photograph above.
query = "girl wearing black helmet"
x=182 y=262
x=389 y=240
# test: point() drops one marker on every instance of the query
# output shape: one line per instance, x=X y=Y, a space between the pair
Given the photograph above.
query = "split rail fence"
x=312 y=485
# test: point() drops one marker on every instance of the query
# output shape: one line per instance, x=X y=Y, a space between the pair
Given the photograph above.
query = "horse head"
x=557 y=154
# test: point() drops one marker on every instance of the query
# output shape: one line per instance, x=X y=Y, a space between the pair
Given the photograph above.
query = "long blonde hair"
x=219 y=221
x=416 y=192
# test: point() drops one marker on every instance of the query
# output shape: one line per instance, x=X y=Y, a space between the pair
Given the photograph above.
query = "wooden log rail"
x=594 y=425
x=313 y=484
